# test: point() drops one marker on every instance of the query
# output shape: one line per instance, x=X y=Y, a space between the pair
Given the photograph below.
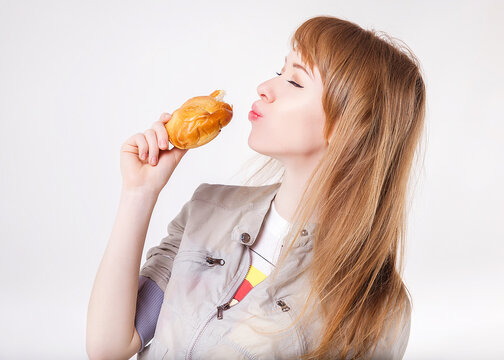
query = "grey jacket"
x=201 y=263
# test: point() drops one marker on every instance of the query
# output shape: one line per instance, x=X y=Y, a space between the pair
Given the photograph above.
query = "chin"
x=266 y=146
x=257 y=149
x=257 y=146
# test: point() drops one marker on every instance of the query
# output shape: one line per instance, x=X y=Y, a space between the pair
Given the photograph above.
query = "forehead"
x=294 y=56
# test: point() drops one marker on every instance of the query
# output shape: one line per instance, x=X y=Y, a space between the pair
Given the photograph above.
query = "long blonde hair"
x=374 y=101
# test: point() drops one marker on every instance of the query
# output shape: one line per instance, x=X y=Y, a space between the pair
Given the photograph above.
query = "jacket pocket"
x=289 y=308
x=265 y=335
x=199 y=256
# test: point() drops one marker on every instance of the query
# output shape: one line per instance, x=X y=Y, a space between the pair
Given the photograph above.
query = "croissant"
x=199 y=120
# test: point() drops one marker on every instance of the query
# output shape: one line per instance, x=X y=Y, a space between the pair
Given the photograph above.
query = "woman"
x=343 y=119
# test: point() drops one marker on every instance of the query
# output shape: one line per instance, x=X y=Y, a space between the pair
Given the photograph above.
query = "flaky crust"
x=199 y=120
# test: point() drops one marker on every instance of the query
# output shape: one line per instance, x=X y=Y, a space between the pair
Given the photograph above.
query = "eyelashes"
x=292 y=82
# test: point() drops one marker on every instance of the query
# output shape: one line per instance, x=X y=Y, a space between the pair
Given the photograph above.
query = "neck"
x=290 y=191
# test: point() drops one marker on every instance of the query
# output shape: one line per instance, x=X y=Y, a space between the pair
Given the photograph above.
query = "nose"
x=264 y=92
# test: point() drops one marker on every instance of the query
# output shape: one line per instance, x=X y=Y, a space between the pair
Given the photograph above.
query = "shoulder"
x=393 y=344
x=232 y=196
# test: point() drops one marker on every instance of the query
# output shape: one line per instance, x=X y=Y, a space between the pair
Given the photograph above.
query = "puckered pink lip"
x=256 y=110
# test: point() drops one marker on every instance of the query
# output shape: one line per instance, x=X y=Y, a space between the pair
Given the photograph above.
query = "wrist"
x=144 y=193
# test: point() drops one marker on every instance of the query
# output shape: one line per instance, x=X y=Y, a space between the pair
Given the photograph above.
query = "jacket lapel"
x=254 y=213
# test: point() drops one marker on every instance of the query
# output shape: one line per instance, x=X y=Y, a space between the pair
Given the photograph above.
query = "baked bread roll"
x=199 y=120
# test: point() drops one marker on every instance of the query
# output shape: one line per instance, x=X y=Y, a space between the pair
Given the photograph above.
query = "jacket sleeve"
x=159 y=259
x=154 y=276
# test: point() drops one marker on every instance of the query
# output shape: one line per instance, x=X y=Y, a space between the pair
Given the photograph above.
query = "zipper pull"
x=221 y=308
x=284 y=306
x=212 y=261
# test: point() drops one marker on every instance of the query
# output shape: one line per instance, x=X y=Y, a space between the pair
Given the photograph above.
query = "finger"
x=143 y=146
x=162 y=134
x=136 y=144
x=165 y=117
x=150 y=136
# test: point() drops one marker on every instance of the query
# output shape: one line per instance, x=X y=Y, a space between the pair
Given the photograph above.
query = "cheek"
x=294 y=127
x=307 y=134
x=302 y=127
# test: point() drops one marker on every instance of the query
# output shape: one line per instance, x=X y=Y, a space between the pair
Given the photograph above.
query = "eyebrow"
x=296 y=65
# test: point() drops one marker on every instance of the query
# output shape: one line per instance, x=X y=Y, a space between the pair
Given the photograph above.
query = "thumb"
x=178 y=153
x=172 y=156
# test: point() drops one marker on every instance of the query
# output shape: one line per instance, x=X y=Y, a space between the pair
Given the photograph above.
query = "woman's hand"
x=146 y=162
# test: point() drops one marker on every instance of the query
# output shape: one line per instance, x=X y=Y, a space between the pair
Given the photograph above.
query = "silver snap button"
x=304 y=232
x=245 y=237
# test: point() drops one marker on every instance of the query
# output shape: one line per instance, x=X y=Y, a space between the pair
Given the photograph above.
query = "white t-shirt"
x=265 y=251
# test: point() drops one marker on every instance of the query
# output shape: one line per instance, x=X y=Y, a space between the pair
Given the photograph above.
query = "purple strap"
x=149 y=301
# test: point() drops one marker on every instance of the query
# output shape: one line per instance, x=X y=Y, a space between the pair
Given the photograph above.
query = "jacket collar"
x=254 y=212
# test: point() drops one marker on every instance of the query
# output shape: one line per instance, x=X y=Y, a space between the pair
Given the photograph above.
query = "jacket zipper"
x=226 y=305
x=212 y=260
x=284 y=306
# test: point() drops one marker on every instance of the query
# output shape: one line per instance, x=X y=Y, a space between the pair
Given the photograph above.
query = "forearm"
x=112 y=305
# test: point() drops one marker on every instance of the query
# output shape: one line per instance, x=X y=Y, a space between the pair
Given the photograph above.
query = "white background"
x=78 y=78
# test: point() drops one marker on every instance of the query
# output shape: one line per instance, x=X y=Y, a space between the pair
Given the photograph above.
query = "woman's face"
x=291 y=126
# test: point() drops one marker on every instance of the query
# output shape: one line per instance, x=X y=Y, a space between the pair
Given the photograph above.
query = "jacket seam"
x=239 y=348
x=299 y=336
x=218 y=204
x=201 y=326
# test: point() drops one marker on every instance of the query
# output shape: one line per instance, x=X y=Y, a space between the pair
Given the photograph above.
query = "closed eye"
x=292 y=82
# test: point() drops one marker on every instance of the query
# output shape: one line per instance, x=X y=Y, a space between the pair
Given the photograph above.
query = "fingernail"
x=163 y=143
x=142 y=156
x=153 y=160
